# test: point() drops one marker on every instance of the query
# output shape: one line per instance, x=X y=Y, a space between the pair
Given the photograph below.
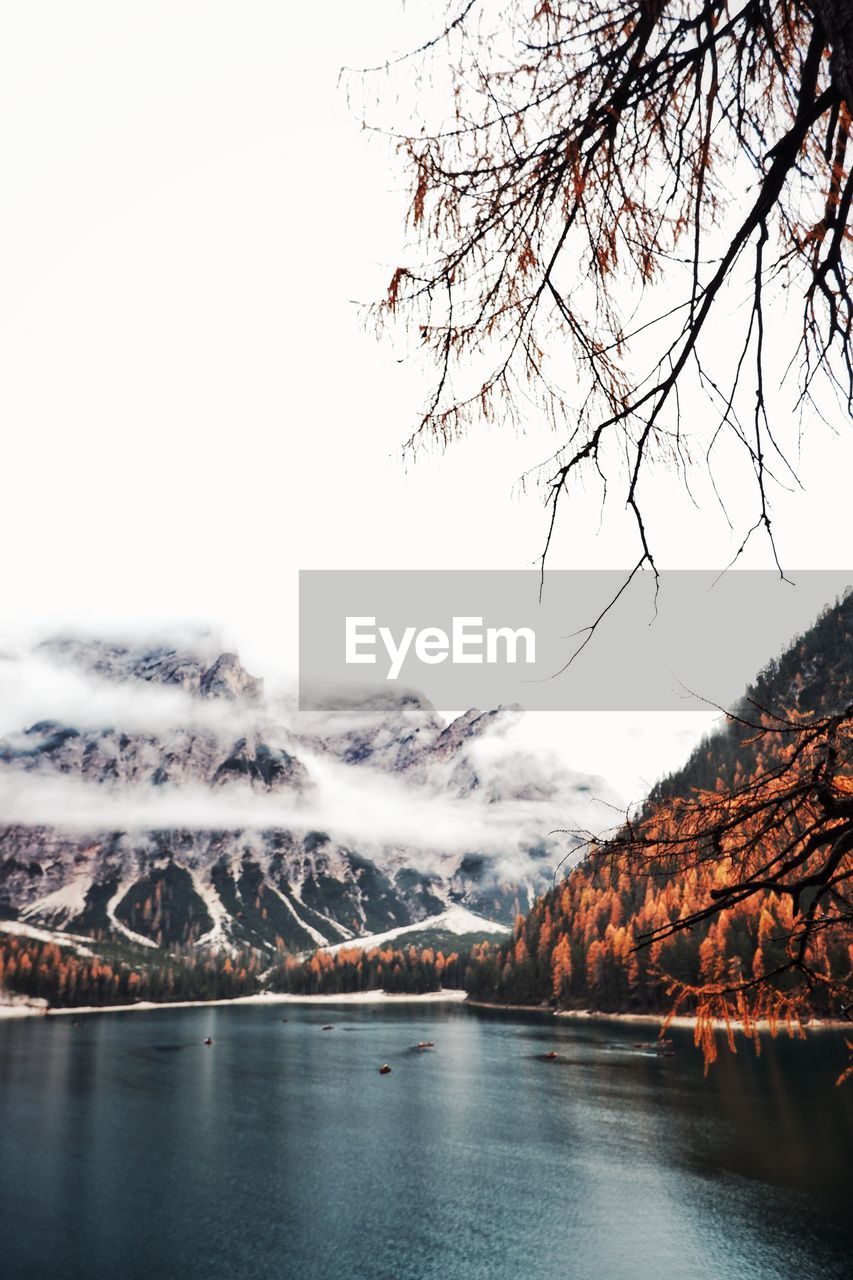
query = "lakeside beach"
x=40 y=1008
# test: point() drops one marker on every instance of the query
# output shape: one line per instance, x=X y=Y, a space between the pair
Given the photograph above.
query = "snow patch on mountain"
x=457 y=920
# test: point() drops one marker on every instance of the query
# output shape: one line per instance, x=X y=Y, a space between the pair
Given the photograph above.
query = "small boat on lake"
x=329 y=1027
x=384 y=1069
x=551 y=1055
x=426 y=1044
x=208 y=1040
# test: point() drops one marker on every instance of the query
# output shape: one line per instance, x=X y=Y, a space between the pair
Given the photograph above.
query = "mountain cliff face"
x=216 y=818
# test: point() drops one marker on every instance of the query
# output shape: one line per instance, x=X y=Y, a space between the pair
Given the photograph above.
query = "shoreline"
x=23 y=1009
x=684 y=1020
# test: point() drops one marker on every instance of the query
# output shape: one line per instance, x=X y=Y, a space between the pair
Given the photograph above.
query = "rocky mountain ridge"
x=276 y=886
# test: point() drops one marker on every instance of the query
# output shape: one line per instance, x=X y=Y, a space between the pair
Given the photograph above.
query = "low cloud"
x=519 y=796
x=34 y=686
x=355 y=806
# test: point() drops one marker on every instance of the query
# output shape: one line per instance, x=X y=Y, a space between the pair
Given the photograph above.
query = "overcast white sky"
x=191 y=411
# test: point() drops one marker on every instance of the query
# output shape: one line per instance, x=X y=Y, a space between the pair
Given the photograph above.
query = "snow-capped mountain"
x=170 y=802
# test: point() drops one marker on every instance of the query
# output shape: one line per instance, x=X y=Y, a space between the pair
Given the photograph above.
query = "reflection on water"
x=129 y=1148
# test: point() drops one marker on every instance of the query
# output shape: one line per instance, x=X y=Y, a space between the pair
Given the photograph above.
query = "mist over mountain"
x=159 y=797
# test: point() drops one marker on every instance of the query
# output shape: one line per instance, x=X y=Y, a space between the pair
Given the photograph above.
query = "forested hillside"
x=813 y=676
x=577 y=947
x=68 y=976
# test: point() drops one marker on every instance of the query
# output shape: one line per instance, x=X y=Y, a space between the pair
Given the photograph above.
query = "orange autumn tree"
x=777 y=847
x=561 y=968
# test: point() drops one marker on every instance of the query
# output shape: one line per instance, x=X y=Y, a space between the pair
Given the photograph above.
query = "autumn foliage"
x=65 y=978
x=394 y=970
x=732 y=905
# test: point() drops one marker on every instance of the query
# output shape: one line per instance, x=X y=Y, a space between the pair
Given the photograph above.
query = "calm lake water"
x=130 y=1150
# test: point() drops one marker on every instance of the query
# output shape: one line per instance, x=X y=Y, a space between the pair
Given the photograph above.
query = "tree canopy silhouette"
x=602 y=185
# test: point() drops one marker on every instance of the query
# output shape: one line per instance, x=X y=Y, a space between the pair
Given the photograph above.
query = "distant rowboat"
x=384 y=1069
